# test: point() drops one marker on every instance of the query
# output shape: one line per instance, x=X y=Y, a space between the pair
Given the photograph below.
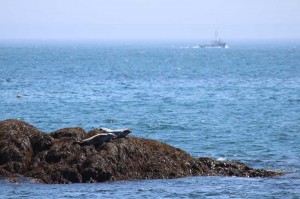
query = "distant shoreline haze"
x=148 y=32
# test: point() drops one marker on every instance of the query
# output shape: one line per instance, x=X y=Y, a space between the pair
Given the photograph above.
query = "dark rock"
x=226 y=168
x=4 y=173
x=75 y=132
x=15 y=145
x=40 y=143
x=19 y=135
x=26 y=151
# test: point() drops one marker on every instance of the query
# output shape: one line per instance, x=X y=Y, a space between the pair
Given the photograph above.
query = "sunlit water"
x=240 y=104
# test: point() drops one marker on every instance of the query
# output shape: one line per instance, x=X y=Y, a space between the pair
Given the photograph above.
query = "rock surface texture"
x=54 y=158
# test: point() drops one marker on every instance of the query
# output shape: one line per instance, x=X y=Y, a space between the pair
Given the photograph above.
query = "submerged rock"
x=54 y=158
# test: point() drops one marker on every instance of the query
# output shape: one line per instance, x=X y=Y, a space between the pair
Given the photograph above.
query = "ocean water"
x=237 y=104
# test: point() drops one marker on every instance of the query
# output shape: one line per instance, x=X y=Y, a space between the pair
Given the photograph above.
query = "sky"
x=149 y=19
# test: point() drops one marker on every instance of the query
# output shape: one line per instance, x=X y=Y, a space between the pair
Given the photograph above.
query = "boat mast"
x=216 y=36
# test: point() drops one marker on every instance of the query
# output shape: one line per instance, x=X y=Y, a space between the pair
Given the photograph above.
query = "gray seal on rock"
x=119 y=133
x=97 y=139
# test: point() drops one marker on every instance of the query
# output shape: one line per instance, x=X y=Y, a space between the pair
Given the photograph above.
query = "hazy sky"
x=149 y=19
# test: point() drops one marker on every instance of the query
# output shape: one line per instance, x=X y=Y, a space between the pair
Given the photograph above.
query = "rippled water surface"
x=241 y=104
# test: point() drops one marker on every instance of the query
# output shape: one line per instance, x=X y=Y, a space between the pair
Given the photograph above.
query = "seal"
x=97 y=139
x=119 y=133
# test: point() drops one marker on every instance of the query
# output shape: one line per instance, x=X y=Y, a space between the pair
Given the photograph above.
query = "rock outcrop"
x=54 y=158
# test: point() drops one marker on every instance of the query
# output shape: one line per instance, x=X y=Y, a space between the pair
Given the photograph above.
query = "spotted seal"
x=97 y=139
x=119 y=133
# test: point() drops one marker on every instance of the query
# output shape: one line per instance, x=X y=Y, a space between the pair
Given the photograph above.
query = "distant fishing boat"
x=217 y=43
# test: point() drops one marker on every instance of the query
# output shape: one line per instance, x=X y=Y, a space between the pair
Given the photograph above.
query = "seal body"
x=119 y=133
x=97 y=139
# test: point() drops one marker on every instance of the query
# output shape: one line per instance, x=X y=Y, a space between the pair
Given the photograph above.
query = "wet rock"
x=4 y=173
x=238 y=169
x=41 y=142
x=75 y=132
x=54 y=158
x=15 y=145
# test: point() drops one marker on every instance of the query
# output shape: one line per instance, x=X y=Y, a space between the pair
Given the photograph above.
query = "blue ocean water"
x=239 y=104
